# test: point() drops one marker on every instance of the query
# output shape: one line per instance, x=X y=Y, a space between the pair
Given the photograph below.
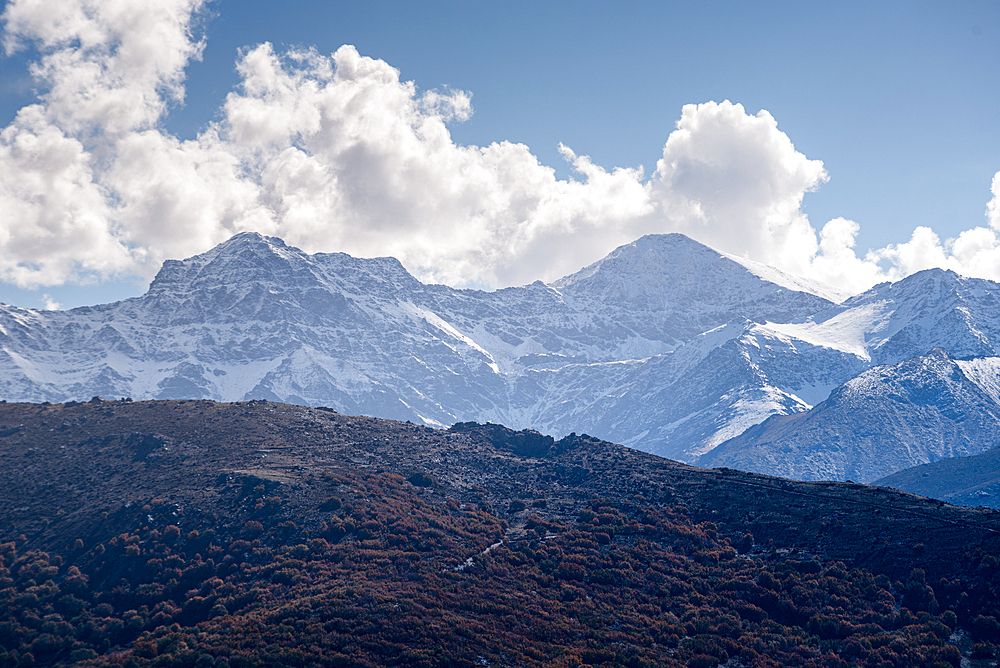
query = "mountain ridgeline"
x=665 y=346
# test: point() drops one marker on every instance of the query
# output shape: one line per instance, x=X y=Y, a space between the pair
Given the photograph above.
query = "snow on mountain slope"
x=797 y=283
x=665 y=345
x=893 y=322
x=886 y=419
x=679 y=288
x=985 y=373
x=846 y=330
x=682 y=403
x=932 y=308
x=254 y=317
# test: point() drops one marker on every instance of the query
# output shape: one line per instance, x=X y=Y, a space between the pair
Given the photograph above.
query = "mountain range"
x=665 y=346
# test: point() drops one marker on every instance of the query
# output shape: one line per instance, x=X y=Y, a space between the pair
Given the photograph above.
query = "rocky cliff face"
x=665 y=345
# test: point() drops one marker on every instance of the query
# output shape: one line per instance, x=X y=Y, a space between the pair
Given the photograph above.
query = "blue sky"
x=898 y=100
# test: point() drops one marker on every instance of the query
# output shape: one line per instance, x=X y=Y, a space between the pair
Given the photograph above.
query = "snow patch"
x=985 y=373
x=441 y=324
x=849 y=331
x=796 y=283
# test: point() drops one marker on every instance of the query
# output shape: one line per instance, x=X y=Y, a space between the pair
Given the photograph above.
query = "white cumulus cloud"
x=993 y=208
x=736 y=182
x=108 y=66
x=338 y=153
x=54 y=218
x=107 y=70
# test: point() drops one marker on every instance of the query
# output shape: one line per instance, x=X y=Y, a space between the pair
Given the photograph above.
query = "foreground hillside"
x=191 y=533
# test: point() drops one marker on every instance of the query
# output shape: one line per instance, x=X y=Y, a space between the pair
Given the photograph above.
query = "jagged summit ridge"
x=893 y=322
x=251 y=258
x=931 y=306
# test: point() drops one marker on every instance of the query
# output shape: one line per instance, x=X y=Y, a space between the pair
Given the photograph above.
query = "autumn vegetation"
x=373 y=567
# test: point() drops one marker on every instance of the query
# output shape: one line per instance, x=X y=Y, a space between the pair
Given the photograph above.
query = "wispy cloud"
x=336 y=152
x=51 y=304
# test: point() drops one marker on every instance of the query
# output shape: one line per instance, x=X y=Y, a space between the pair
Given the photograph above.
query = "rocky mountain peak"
x=651 y=262
x=933 y=307
x=251 y=272
x=671 y=272
x=248 y=257
x=928 y=287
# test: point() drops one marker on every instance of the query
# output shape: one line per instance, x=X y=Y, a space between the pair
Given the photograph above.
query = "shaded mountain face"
x=665 y=345
x=964 y=481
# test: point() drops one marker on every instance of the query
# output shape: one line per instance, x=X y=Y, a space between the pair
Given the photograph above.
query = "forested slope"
x=193 y=533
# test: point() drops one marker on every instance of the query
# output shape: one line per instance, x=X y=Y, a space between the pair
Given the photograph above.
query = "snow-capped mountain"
x=665 y=345
x=893 y=322
x=254 y=318
x=914 y=409
x=886 y=419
